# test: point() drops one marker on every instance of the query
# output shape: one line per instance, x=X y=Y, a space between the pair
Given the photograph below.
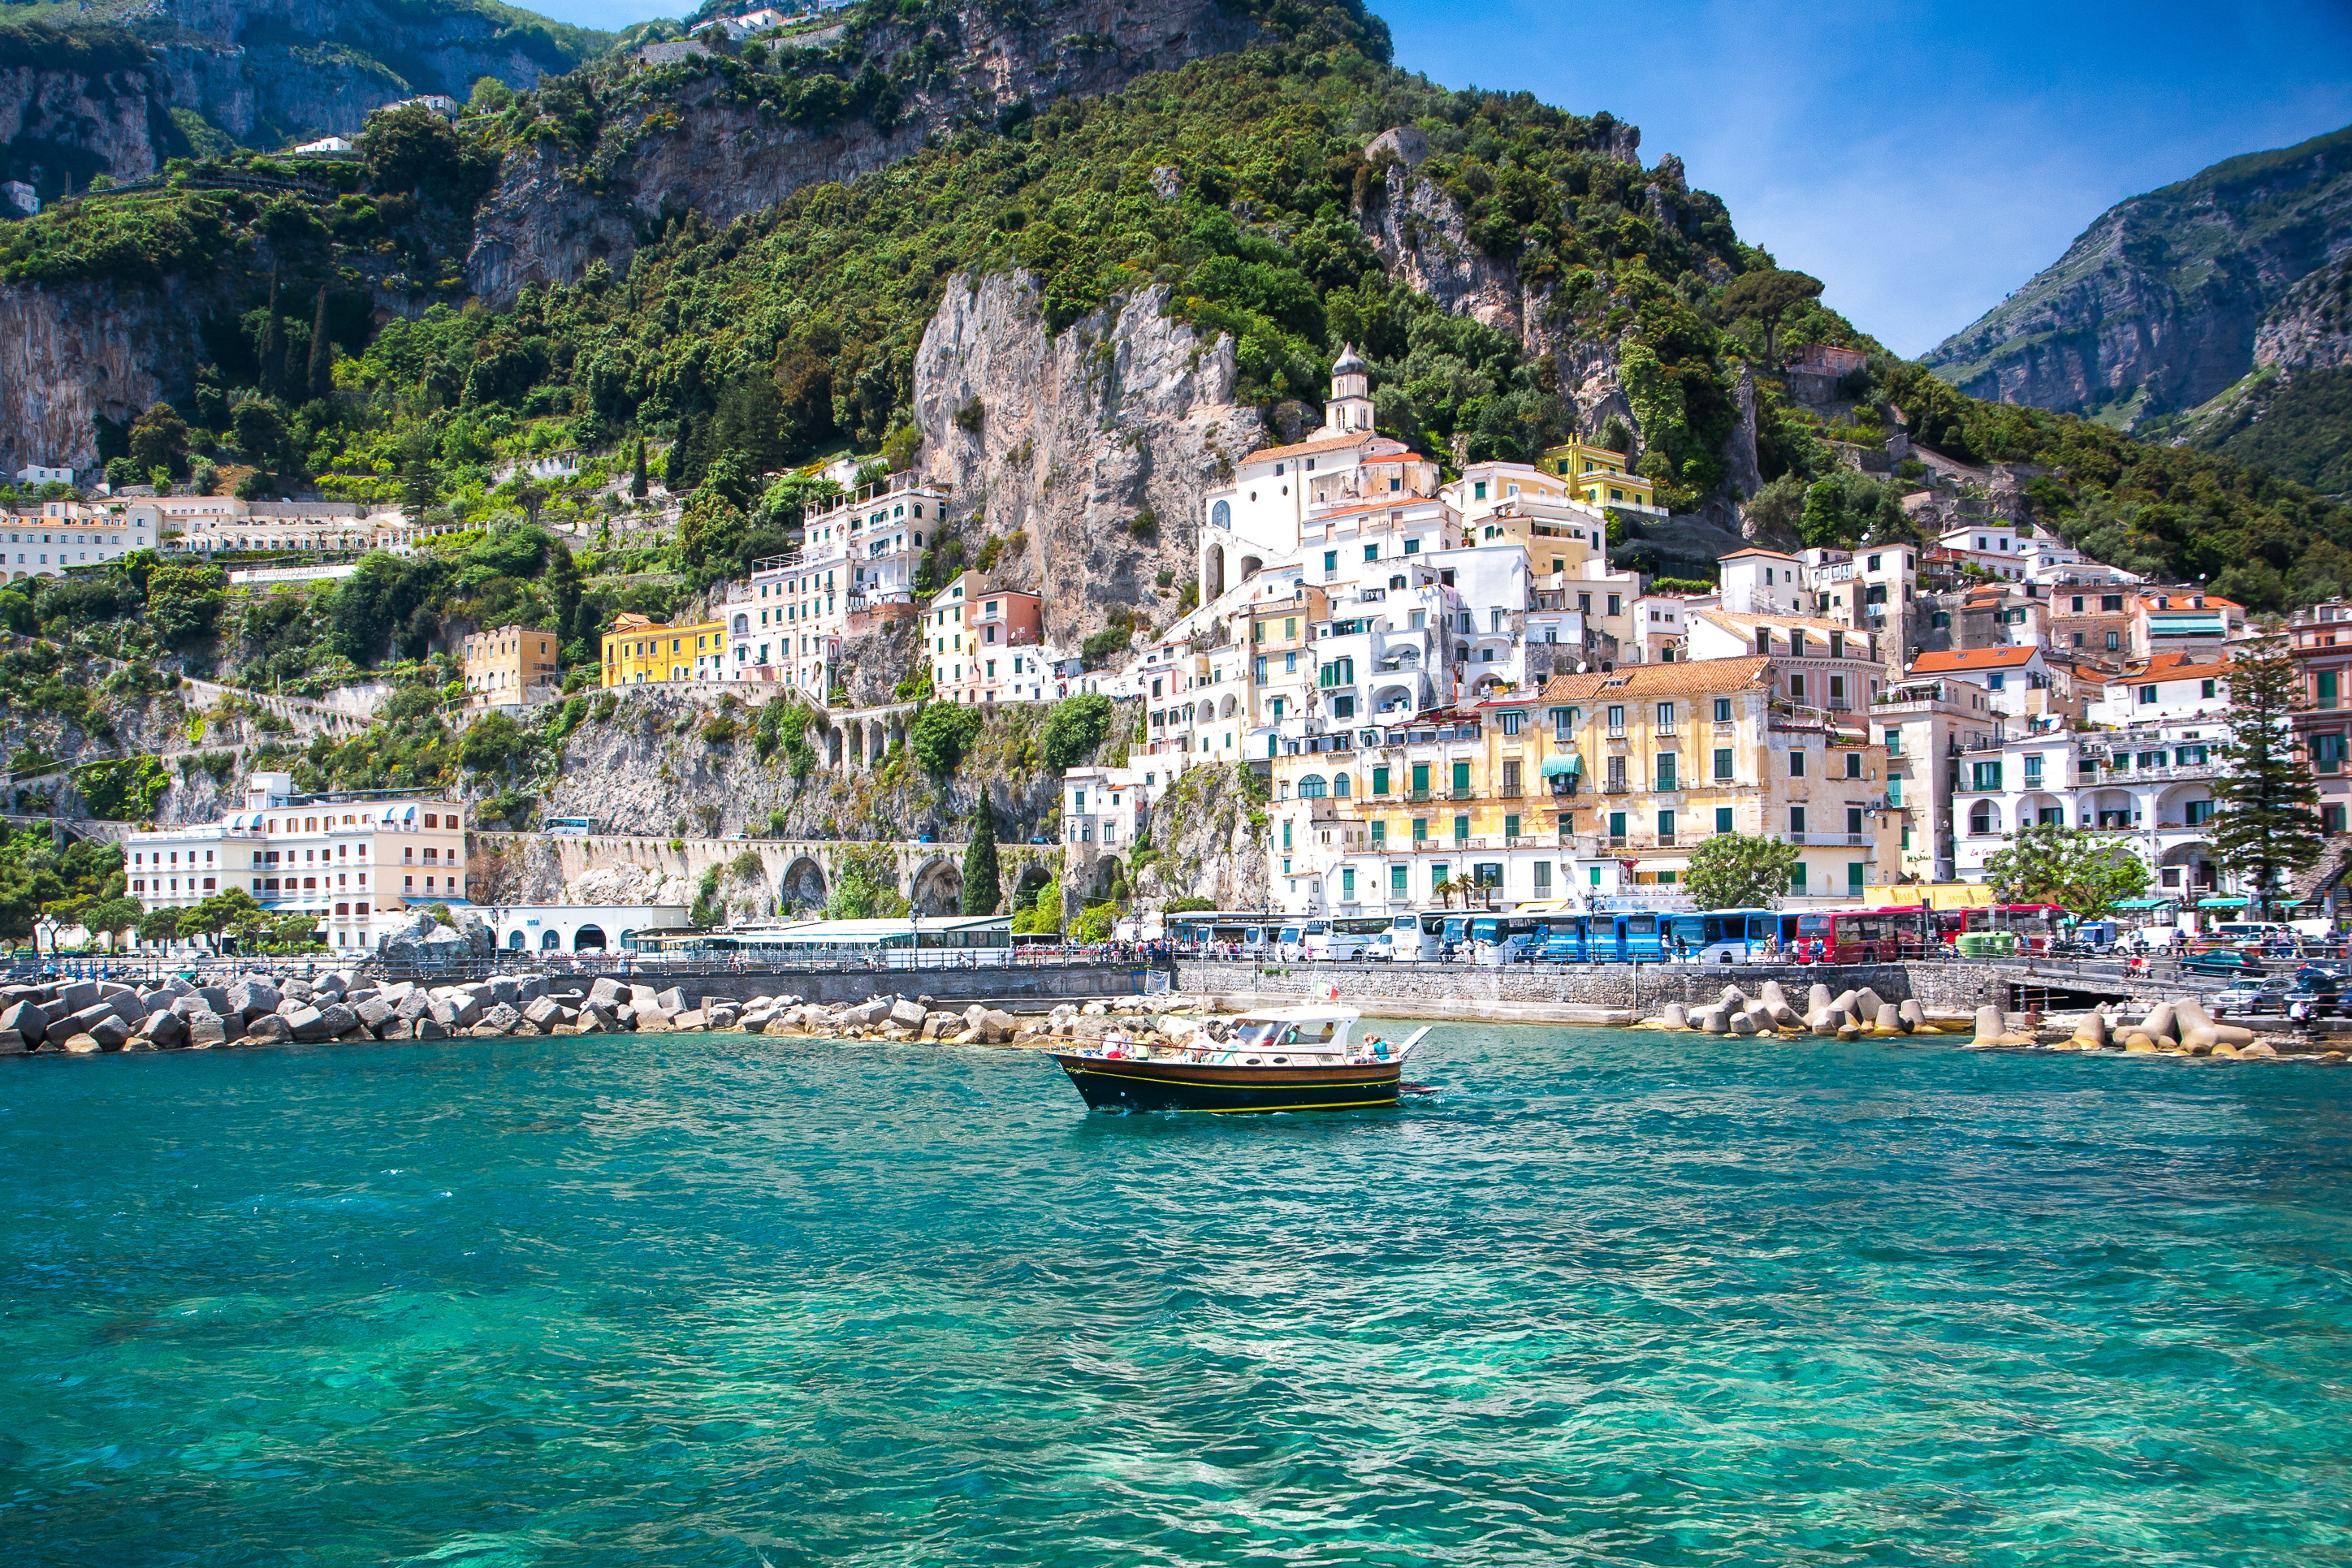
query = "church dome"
x=1350 y=363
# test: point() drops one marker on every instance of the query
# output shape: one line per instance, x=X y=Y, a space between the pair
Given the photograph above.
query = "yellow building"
x=639 y=650
x=1599 y=785
x=512 y=664
x=1597 y=476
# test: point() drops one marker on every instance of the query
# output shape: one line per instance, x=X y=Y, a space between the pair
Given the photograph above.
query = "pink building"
x=985 y=642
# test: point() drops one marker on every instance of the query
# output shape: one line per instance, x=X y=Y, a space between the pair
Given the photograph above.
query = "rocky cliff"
x=72 y=353
x=2156 y=307
x=113 y=87
x=1067 y=441
x=2311 y=327
x=712 y=148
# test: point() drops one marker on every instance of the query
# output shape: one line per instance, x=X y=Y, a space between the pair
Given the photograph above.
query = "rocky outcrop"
x=70 y=355
x=2311 y=328
x=707 y=149
x=2156 y=307
x=1211 y=843
x=1068 y=440
x=63 y=126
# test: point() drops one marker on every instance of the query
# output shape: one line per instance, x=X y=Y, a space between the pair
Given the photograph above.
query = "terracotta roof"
x=1322 y=444
x=1394 y=504
x=2181 y=604
x=1757 y=550
x=1740 y=620
x=2171 y=664
x=1973 y=659
x=1684 y=677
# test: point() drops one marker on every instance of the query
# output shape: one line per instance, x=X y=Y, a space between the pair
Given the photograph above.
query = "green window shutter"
x=1723 y=764
x=1666 y=771
x=1420 y=777
x=1462 y=776
x=1510 y=826
x=1723 y=820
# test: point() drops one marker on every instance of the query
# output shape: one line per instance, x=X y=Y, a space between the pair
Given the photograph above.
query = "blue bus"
x=1571 y=940
x=1732 y=935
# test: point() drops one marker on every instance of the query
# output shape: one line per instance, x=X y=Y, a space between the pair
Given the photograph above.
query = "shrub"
x=1075 y=727
x=941 y=734
x=720 y=730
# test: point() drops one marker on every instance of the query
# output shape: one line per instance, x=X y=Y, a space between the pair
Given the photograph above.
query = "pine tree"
x=322 y=354
x=638 y=482
x=2268 y=826
x=982 y=888
x=419 y=485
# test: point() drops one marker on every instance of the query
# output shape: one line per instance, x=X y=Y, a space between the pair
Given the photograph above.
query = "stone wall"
x=1598 y=993
x=1016 y=990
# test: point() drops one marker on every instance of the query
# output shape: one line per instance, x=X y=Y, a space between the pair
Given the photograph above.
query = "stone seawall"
x=843 y=988
x=1598 y=994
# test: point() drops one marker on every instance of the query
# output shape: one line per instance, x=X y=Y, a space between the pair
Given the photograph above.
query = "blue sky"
x=1921 y=160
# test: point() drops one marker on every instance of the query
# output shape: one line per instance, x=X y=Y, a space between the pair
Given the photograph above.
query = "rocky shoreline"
x=77 y=1018
x=2180 y=1027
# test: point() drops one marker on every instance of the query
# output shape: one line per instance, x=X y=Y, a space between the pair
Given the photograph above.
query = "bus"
x=1513 y=938
x=1571 y=939
x=577 y=826
x=1242 y=932
x=1848 y=936
x=1411 y=939
x=2033 y=923
x=1732 y=935
x=1343 y=940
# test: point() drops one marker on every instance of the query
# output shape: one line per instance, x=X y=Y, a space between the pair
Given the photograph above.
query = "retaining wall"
x=841 y=987
x=1595 y=994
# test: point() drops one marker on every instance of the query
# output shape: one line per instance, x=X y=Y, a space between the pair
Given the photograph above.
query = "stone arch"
x=1104 y=875
x=516 y=942
x=1393 y=699
x=1212 y=570
x=1227 y=708
x=833 y=748
x=588 y=939
x=804 y=885
x=1251 y=565
x=937 y=886
x=1984 y=818
x=1034 y=880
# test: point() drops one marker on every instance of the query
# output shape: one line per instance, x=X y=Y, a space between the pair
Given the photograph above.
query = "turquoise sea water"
x=1603 y=1298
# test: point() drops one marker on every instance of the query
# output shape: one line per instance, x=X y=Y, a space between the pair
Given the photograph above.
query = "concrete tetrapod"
x=1888 y=1021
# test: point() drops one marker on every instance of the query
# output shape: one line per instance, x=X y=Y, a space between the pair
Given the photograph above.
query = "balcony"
x=1828 y=841
x=1616 y=787
x=1616 y=732
x=1509 y=792
x=1419 y=796
x=1461 y=793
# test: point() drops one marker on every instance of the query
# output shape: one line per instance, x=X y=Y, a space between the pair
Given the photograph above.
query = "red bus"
x=2034 y=924
x=1849 y=936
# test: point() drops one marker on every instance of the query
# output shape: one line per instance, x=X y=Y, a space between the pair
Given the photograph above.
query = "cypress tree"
x=322 y=356
x=638 y=482
x=982 y=890
x=2269 y=825
x=271 y=350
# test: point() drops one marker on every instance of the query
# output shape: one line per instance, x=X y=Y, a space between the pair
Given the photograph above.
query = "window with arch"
x=1221 y=516
x=1983 y=820
x=1341 y=787
x=514 y=941
x=552 y=940
x=1312 y=786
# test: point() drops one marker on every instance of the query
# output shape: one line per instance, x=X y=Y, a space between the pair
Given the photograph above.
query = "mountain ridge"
x=2156 y=306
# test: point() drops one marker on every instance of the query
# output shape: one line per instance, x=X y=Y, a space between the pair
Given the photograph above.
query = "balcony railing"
x=1460 y=792
x=1418 y=796
x=1615 y=787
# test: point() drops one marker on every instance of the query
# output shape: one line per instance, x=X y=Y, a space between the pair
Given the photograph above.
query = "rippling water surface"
x=1603 y=1298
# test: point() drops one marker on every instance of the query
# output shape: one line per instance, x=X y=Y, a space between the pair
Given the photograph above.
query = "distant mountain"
x=116 y=87
x=2158 y=307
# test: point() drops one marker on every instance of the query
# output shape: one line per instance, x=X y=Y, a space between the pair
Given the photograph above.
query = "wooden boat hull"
x=1135 y=1085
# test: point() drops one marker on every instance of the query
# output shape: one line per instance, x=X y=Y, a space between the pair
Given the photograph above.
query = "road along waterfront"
x=702 y=1298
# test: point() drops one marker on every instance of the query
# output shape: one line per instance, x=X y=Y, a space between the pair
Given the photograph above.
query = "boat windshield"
x=1252 y=1033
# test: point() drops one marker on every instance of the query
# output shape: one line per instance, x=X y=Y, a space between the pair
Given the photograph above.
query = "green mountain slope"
x=2156 y=307
x=1261 y=190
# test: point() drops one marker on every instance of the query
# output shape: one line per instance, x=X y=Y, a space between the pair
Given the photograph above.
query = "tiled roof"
x=1757 y=550
x=1327 y=443
x=1741 y=621
x=1972 y=659
x=1684 y=677
x=2180 y=603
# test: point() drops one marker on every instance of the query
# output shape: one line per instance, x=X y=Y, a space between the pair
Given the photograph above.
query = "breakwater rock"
x=92 y=1017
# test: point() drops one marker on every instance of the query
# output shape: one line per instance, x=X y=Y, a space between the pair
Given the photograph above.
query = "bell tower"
x=1350 y=407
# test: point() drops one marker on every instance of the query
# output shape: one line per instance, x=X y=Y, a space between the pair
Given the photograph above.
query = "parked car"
x=2225 y=961
x=2333 y=974
x=2253 y=996
x=2314 y=998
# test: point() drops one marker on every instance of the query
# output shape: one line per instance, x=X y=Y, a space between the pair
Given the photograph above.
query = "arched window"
x=1221 y=516
x=1984 y=819
x=1341 y=787
x=1312 y=786
x=514 y=941
x=589 y=939
x=551 y=939
x=742 y=625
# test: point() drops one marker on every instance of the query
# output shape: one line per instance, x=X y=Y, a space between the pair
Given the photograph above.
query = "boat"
x=1284 y=1059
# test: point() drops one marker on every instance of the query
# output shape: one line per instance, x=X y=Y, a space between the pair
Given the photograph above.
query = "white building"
x=2151 y=784
x=2018 y=681
x=66 y=534
x=326 y=147
x=579 y=928
x=358 y=863
x=2178 y=685
x=38 y=474
x=1105 y=806
x=21 y=196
